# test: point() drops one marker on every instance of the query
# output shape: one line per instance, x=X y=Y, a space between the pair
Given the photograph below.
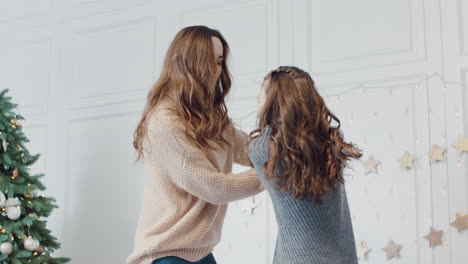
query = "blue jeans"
x=176 y=260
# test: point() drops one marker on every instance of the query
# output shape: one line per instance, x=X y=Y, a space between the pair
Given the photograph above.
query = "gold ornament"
x=434 y=237
x=15 y=174
x=40 y=249
x=15 y=123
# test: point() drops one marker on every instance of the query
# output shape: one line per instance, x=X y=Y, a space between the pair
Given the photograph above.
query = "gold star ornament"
x=406 y=161
x=434 y=237
x=248 y=205
x=437 y=153
x=461 y=145
x=461 y=222
x=370 y=165
x=362 y=250
x=392 y=250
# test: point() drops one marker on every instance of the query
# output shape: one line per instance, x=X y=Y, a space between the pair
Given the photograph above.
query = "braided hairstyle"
x=307 y=154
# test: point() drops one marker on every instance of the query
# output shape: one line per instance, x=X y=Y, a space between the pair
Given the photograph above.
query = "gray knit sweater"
x=308 y=233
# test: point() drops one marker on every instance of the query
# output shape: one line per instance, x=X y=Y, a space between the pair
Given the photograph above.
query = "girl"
x=189 y=144
x=299 y=158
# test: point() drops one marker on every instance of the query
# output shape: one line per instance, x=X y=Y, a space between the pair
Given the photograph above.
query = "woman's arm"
x=190 y=170
x=241 y=152
x=199 y=177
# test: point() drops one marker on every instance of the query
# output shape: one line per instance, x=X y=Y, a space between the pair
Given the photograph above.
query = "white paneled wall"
x=80 y=71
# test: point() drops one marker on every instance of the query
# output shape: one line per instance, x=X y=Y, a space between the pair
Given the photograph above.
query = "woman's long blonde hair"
x=189 y=79
x=310 y=153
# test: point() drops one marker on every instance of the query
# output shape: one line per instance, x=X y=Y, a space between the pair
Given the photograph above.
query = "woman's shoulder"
x=162 y=111
x=160 y=120
x=164 y=127
x=164 y=117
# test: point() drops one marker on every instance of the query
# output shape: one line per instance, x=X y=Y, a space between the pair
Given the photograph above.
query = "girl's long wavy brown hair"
x=304 y=146
x=189 y=80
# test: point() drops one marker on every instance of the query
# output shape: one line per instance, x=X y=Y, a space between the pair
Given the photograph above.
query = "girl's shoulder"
x=259 y=147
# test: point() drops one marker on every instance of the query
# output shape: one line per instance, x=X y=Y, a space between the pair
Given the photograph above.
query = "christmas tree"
x=24 y=237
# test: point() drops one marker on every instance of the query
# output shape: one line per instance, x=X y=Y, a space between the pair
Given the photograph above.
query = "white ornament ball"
x=37 y=244
x=31 y=244
x=6 y=248
x=13 y=212
x=2 y=199
x=13 y=209
x=12 y=202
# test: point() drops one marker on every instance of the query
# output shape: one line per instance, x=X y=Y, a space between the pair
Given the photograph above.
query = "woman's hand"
x=252 y=172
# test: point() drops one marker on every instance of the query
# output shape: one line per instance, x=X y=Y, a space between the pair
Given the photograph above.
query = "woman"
x=189 y=144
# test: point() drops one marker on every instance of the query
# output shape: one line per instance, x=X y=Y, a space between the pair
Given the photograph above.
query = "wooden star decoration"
x=461 y=145
x=434 y=237
x=406 y=161
x=362 y=250
x=370 y=165
x=392 y=250
x=461 y=222
x=437 y=153
x=248 y=205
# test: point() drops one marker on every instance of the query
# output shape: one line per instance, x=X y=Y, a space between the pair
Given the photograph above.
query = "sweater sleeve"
x=259 y=148
x=189 y=169
x=240 y=149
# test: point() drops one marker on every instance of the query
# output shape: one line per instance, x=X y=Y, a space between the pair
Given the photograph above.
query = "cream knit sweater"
x=186 y=192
